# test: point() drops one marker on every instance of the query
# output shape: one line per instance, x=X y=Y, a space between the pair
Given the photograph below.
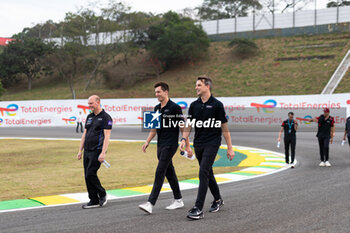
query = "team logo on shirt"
x=151 y=120
x=89 y=121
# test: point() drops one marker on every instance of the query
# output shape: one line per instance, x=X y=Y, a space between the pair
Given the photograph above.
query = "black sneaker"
x=216 y=205
x=195 y=213
x=90 y=205
x=103 y=200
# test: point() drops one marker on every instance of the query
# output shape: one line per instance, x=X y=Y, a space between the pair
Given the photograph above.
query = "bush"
x=243 y=47
x=123 y=75
x=176 y=40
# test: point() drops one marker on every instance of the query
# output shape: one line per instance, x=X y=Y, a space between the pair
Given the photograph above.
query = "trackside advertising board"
x=262 y=110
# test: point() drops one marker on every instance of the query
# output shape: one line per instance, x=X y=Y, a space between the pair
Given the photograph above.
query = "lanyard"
x=290 y=126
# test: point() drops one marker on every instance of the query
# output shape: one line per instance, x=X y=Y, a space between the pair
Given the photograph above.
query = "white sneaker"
x=176 y=204
x=147 y=207
x=292 y=165
x=328 y=164
x=322 y=164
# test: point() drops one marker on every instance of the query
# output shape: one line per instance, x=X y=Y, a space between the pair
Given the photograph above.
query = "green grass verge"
x=32 y=168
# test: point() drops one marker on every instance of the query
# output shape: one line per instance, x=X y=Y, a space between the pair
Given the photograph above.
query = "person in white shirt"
x=79 y=123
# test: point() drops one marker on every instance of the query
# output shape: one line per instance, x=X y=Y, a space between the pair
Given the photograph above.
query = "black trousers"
x=206 y=157
x=81 y=127
x=290 y=141
x=93 y=184
x=349 y=140
x=323 y=142
x=164 y=169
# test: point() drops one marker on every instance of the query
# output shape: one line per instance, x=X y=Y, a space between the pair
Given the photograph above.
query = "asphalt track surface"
x=305 y=199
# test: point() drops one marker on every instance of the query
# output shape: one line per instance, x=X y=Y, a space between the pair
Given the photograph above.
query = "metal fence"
x=258 y=22
x=226 y=29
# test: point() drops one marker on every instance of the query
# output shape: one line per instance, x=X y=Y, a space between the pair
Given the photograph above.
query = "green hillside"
x=283 y=66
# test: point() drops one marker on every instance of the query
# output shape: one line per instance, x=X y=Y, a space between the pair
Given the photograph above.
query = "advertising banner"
x=262 y=110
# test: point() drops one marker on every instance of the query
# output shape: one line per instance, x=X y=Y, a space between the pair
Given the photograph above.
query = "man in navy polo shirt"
x=289 y=127
x=209 y=111
x=325 y=135
x=95 y=140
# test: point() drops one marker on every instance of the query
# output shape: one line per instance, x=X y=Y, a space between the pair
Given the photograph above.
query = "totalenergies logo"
x=10 y=110
x=70 y=120
x=182 y=104
x=1 y=120
x=83 y=107
x=268 y=104
x=305 y=119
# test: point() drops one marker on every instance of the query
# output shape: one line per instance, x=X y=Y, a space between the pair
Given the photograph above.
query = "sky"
x=18 y=14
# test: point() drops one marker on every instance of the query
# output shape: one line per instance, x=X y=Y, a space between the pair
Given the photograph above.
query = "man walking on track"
x=95 y=141
x=347 y=130
x=325 y=135
x=210 y=122
x=289 y=127
x=167 y=145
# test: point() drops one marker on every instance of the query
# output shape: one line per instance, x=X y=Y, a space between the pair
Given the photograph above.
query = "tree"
x=43 y=30
x=282 y=6
x=70 y=61
x=175 y=40
x=137 y=23
x=222 y=9
x=338 y=4
x=8 y=69
x=79 y=26
x=110 y=20
x=24 y=57
x=103 y=35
